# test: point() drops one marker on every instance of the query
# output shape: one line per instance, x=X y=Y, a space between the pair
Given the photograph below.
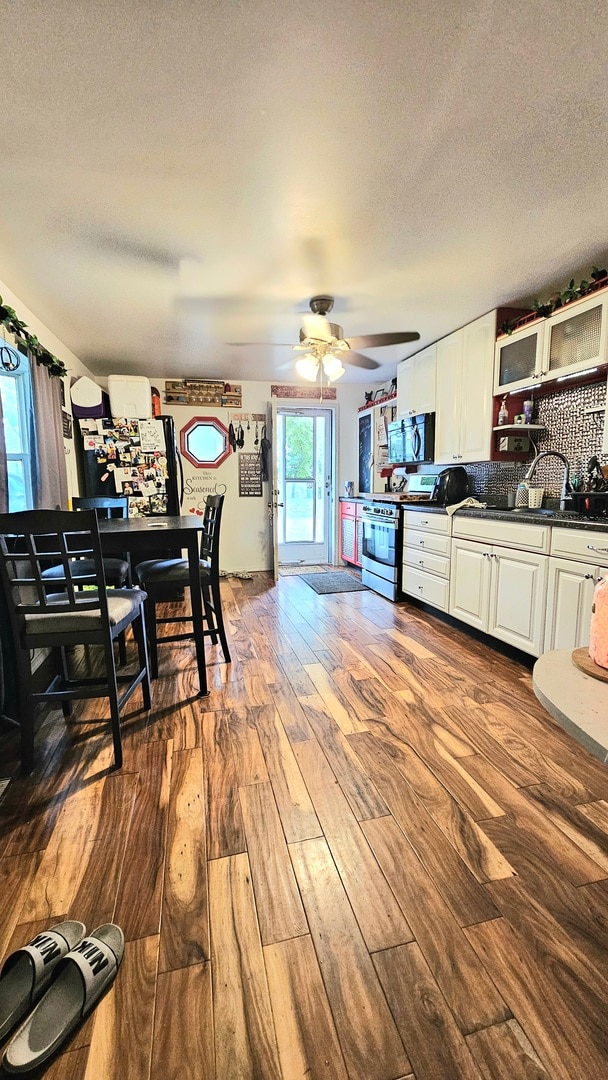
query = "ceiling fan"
x=324 y=343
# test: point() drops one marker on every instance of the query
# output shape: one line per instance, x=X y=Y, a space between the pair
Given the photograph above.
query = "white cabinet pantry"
x=416 y=383
x=426 y=557
x=465 y=364
x=579 y=558
x=498 y=580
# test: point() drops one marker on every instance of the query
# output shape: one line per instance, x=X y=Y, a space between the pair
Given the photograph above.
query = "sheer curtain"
x=50 y=482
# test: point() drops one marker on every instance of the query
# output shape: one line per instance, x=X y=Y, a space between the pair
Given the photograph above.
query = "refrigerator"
x=136 y=458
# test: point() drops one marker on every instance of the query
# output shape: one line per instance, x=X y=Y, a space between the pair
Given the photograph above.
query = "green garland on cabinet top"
x=12 y=322
x=545 y=308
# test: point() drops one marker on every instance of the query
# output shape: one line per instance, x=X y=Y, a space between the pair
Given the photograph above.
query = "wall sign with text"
x=250 y=475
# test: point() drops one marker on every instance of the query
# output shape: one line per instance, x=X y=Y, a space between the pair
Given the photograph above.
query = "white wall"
x=246 y=541
x=57 y=348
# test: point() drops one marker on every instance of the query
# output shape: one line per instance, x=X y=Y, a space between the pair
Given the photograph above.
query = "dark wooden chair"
x=117 y=571
x=155 y=574
x=73 y=615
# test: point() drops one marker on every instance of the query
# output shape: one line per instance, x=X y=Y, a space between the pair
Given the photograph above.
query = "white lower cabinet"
x=569 y=600
x=426 y=557
x=501 y=591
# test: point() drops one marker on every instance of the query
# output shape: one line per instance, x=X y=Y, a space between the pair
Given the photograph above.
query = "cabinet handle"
x=589 y=577
x=420 y=588
x=592 y=547
x=425 y=522
x=421 y=542
x=421 y=563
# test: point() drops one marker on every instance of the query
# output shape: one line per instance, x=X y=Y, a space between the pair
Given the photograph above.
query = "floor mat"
x=332 y=583
x=297 y=568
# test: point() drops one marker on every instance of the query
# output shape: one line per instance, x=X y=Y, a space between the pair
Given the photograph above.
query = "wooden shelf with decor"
x=385 y=400
x=203 y=392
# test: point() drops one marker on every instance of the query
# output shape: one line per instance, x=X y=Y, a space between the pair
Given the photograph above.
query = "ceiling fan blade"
x=358 y=360
x=373 y=341
x=258 y=344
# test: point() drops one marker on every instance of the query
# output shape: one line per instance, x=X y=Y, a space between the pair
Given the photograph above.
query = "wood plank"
x=464 y=982
x=185 y=913
x=17 y=873
x=69 y=1066
x=138 y=902
x=123 y=1019
x=183 y=1042
x=335 y=702
x=368 y=1036
x=470 y=722
x=523 y=976
x=225 y=834
x=503 y=1052
x=249 y=764
x=245 y=1042
x=362 y=795
x=279 y=908
x=306 y=1034
x=95 y=898
x=380 y=918
x=462 y=892
x=296 y=811
x=436 y=1048
x=576 y=865
x=581 y=828
x=291 y=713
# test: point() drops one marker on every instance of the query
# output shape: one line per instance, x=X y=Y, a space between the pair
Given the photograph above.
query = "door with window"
x=305 y=484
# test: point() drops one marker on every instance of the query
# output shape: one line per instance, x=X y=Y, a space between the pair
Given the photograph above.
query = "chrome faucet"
x=566 y=489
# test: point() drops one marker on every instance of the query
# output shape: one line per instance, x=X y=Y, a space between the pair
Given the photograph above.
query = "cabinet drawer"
x=417 y=519
x=426 y=541
x=508 y=533
x=348 y=509
x=580 y=544
x=422 y=560
x=433 y=590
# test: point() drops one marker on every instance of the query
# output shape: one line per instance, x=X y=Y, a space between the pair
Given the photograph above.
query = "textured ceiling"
x=178 y=176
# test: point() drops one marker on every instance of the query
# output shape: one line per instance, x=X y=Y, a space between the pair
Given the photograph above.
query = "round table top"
x=577 y=701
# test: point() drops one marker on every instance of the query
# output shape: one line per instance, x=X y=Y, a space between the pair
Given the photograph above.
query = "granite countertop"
x=562 y=519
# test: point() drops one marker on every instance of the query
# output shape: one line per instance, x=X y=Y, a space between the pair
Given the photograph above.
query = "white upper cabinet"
x=465 y=363
x=416 y=383
x=571 y=340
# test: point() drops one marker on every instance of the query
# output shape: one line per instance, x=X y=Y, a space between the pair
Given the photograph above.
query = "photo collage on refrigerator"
x=130 y=459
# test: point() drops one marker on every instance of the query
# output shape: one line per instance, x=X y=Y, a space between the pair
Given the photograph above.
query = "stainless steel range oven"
x=381 y=548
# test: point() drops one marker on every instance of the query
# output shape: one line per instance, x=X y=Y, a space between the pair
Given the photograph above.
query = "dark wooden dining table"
x=143 y=538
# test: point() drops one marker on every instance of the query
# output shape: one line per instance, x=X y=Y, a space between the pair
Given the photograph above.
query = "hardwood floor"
x=369 y=854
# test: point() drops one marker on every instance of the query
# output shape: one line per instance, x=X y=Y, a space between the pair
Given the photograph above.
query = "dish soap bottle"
x=503 y=415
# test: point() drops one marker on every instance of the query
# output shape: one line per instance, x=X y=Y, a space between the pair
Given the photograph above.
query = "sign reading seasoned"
x=250 y=475
x=328 y=392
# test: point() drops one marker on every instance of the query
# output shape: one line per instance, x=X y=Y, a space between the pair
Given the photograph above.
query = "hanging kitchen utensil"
x=240 y=436
x=256 y=441
x=248 y=424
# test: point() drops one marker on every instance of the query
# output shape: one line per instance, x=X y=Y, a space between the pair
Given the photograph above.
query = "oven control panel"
x=381 y=511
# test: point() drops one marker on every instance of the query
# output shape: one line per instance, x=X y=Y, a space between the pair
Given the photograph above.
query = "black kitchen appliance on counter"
x=411 y=440
x=451 y=486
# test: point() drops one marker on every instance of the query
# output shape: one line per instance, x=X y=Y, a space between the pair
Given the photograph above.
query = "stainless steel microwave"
x=412 y=440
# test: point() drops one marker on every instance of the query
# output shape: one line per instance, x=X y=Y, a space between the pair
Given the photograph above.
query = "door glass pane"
x=322 y=471
x=298 y=447
x=299 y=511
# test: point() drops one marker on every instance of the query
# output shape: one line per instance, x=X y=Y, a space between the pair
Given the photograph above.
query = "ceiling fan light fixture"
x=308 y=367
x=333 y=368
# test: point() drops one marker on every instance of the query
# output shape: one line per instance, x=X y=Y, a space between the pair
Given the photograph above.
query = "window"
x=204 y=442
x=16 y=395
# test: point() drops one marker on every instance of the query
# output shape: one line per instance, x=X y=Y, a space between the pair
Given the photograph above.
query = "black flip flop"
x=27 y=972
x=80 y=979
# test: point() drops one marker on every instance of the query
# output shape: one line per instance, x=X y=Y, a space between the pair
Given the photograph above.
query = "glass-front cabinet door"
x=575 y=338
x=519 y=358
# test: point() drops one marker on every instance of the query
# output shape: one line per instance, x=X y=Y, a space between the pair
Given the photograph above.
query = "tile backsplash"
x=576 y=434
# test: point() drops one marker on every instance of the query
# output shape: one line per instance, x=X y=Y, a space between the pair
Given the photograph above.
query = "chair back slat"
x=107 y=506
x=30 y=541
x=210 y=534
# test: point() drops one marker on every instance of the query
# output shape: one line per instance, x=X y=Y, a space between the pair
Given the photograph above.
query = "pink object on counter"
x=598 y=637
